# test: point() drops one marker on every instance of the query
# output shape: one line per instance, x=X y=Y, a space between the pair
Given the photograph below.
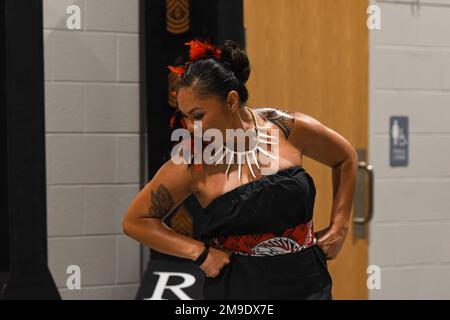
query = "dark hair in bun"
x=211 y=75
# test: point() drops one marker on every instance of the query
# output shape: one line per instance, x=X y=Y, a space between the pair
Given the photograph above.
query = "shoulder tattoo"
x=161 y=202
x=282 y=118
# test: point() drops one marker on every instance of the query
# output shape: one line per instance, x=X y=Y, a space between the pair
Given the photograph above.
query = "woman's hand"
x=215 y=261
x=331 y=240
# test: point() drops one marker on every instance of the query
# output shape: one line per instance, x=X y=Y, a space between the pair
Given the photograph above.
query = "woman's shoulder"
x=284 y=119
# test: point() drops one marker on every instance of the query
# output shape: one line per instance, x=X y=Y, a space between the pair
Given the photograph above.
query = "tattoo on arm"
x=161 y=202
x=282 y=118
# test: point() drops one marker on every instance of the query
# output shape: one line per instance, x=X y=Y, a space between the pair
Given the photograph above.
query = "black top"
x=270 y=204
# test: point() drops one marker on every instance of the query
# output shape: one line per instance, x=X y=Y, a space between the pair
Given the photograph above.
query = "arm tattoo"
x=161 y=202
x=282 y=118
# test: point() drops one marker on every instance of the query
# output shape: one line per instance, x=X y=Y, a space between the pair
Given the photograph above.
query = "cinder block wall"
x=410 y=75
x=92 y=125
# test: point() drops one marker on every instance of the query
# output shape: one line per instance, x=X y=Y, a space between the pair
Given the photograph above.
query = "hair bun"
x=234 y=56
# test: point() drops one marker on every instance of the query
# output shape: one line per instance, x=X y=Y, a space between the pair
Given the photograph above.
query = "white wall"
x=410 y=75
x=92 y=124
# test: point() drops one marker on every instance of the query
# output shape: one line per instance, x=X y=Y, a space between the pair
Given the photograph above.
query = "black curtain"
x=23 y=224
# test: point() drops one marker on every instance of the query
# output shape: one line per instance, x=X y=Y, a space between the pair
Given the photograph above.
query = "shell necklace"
x=245 y=156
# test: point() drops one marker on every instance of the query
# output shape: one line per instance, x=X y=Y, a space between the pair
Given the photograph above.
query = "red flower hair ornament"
x=198 y=50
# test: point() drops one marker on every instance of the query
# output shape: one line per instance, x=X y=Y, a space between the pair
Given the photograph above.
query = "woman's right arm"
x=170 y=186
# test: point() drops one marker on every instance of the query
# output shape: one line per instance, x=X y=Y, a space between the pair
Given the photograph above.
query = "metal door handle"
x=368 y=171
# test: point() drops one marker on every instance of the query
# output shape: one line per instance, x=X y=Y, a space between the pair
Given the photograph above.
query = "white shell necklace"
x=245 y=156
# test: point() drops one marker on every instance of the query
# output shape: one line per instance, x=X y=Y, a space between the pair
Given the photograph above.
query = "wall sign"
x=399 y=141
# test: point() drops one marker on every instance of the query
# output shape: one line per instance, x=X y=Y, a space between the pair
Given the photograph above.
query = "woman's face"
x=212 y=112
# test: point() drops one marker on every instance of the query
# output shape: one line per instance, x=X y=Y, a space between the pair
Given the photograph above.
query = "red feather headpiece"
x=198 y=50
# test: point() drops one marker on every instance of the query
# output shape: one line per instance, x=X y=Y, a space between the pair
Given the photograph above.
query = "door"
x=312 y=57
